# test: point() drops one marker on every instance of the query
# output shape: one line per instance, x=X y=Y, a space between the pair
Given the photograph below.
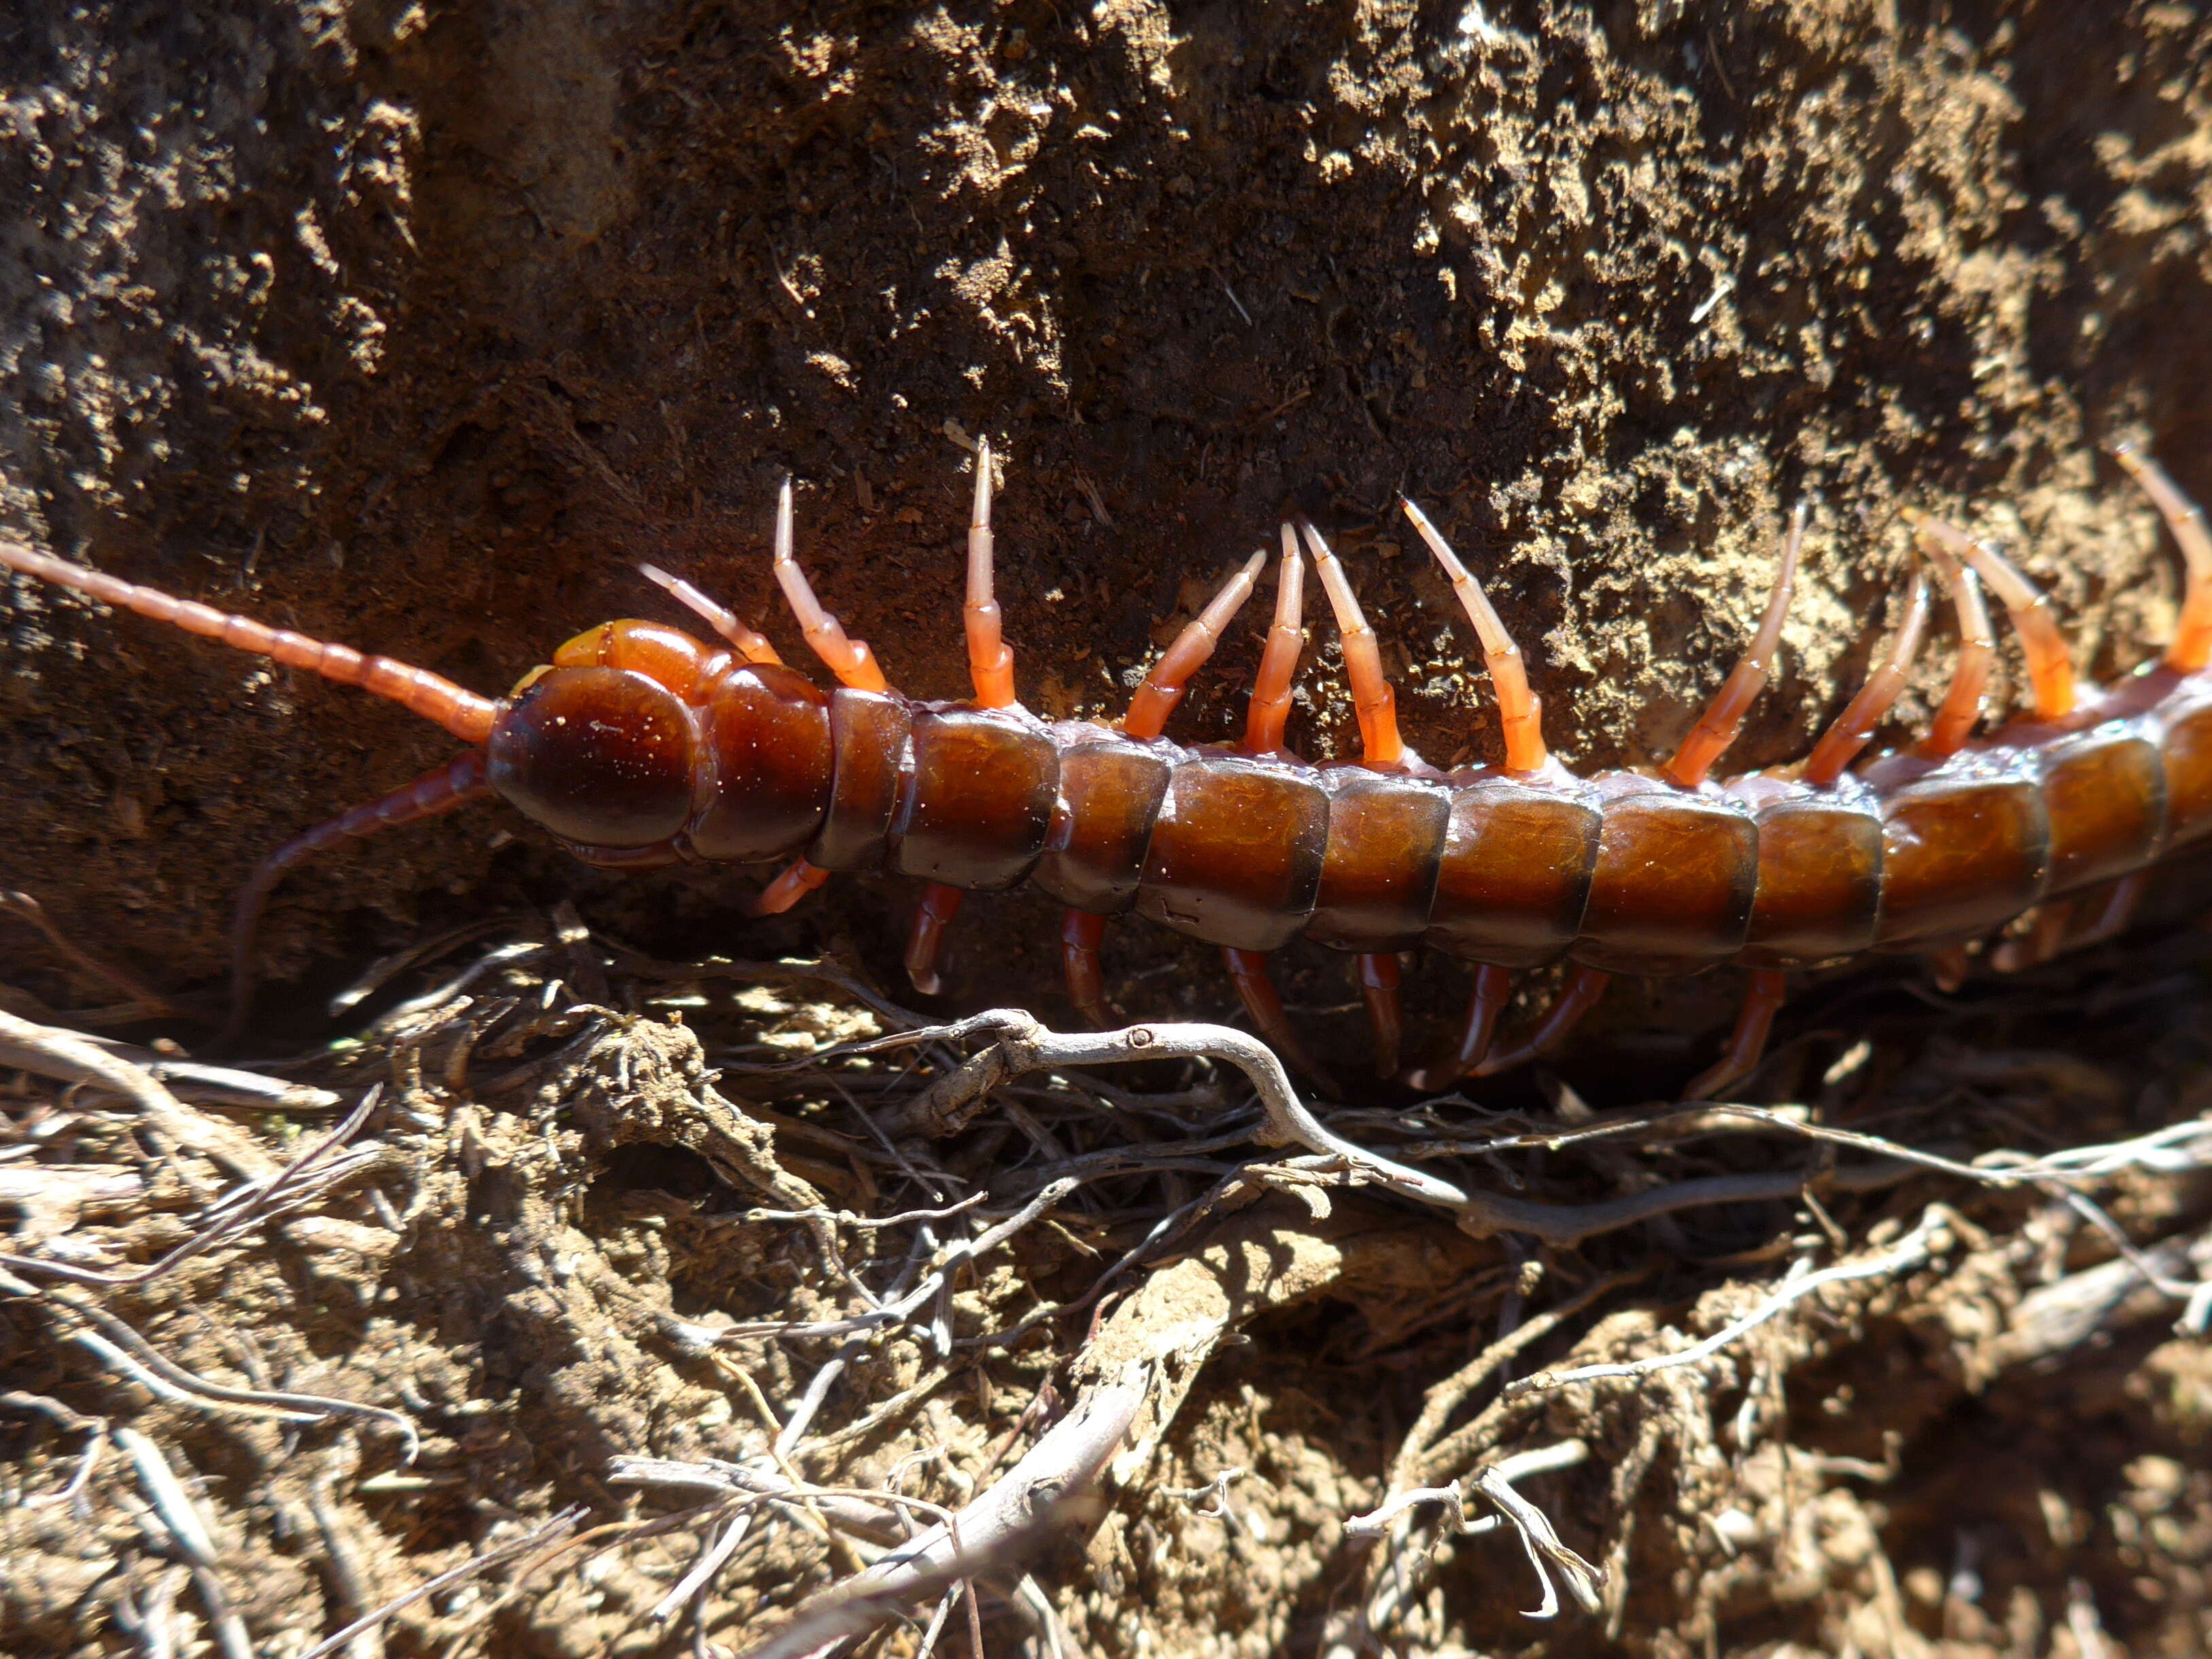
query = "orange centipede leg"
x=849 y=659
x=1156 y=699
x=797 y=880
x=2191 y=646
x=1494 y=989
x=1255 y=989
x=1519 y=711
x=1977 y=649
x=456 y=783
x=751 y=645
x=1081 y=932
x=2049 y=669
x=1372 y=699
x=1718 y=727
x=1270 y=708
x=1840 y=743
x=1747 y=1042
x=990 y=659
x=1382 y=748
x=1577 y=998
x=940 y=904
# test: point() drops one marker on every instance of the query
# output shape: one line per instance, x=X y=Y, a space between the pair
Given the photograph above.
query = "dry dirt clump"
x=591 y=1292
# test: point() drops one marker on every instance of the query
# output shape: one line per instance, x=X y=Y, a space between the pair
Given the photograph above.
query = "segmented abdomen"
x=1620 y=872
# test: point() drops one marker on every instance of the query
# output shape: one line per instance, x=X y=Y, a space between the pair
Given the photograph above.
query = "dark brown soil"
x=418 y=326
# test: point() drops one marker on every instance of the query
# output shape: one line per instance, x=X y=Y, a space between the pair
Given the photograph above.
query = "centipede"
x=641 y=745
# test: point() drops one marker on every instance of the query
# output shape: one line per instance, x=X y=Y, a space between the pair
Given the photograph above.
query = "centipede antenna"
x=990 y=659
x=2050 y=670
x=1372 y=699
x=849 y=659
x=1839 y=745
x=1519 y=710
x=2190 y=648
x=753 y=647
x=1156 y=699
x=797 y=879
x=466 y=715
x=1279 y=663
x=1718 y=727
x=1977 y=647
x=456 y=783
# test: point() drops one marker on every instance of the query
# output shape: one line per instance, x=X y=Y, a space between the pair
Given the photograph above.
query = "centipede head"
x=596 y=745
x=638 y=742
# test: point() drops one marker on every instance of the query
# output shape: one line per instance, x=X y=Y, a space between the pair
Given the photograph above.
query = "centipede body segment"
x=640 y=745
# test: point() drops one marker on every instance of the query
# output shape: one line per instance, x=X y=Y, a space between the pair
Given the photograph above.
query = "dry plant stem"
x=898 y=1312
x=825 y=971
x=221 y=1085
x=1423 y=1456
x=1522 y=1465
x=553 y=1531
x=1016 y=1512
x=302 y=1181
x=873 y=1521
x=2053 y=1319
x=1932 y=1236
x=180 y=1518
x=124 y=1350
x=1543 y=1545
x=1020 y=1045
x=1403 y=1571
x=53 y=1052
x=28 y=909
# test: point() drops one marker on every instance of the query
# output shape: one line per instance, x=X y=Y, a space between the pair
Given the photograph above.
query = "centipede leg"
x=1080 y=934
x=1577 y=998
x=1379 y=978
x=990 y=659
x=748 y=642
x=940 y=904
x=2044 y=938
x=1747 y=1042
x=456 y=783
x=2054 y=931
x=849 y=659
x=792 y=883
x=1718 y=727
x=1519 y=711
x=2049 y=668
x=2119 y=909
x=1951 y=968
x=1840 y=743
x=1494 y=989
x=1977 y=649
x=1164 y=687
x=2191 y=646
x=1270 y=709
x=1372 y=699
x=1255 y=989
